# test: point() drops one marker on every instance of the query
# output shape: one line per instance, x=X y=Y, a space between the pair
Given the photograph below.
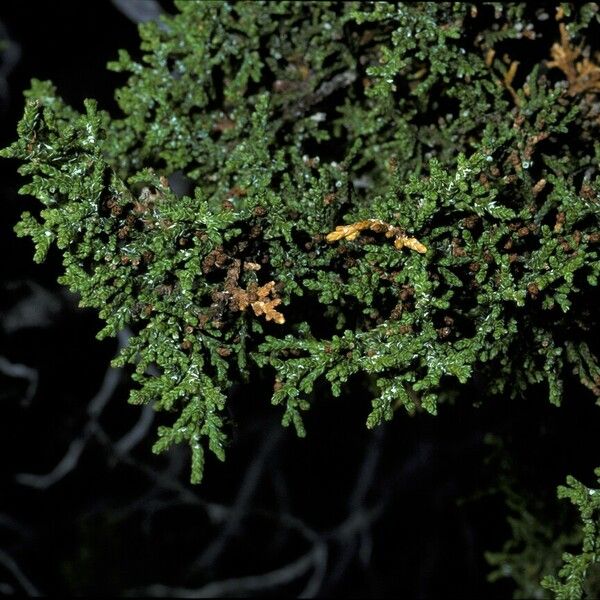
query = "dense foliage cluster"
x=404 y=195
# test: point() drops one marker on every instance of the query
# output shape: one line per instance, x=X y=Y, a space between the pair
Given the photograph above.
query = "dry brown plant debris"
x=582 y=75
x=401 y=240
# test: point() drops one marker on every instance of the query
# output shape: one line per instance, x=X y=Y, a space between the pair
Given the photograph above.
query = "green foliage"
x=579 y=570
x=540 y=533
x=285 y=120
x=534 y=549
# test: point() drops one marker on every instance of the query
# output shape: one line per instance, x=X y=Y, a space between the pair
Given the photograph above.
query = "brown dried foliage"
x=582 y=75
x=262 y=299
x=401 y=240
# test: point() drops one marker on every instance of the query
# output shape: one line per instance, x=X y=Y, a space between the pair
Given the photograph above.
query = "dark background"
x=86 y=508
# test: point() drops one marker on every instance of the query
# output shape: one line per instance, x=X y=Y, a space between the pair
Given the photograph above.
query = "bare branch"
x=21 y=371
x=139 y=11
x=71 y=458
x=246 y=491
x=10 y=564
